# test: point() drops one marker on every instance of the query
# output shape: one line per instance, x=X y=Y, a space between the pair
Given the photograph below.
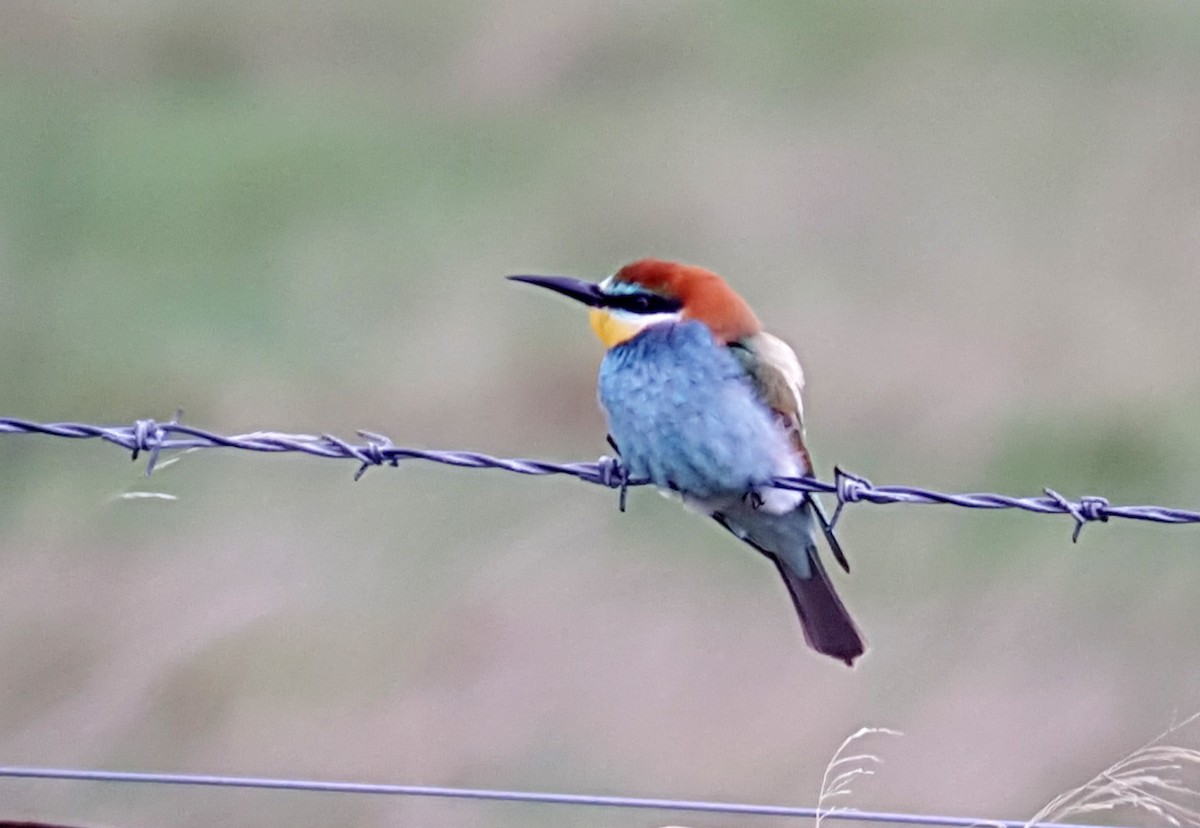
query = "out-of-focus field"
x=978 y=223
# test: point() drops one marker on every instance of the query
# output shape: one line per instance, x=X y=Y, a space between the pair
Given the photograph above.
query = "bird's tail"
x=827 y=625
x=789 y=540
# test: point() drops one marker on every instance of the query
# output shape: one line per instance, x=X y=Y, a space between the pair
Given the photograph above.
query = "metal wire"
x=532 y=797
x=153 y=438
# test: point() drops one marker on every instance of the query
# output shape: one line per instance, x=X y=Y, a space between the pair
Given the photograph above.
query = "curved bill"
x=578 y=289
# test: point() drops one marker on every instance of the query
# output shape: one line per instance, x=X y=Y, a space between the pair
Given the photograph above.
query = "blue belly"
x=685 y=415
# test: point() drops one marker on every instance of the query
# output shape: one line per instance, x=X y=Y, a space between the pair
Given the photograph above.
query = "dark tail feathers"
x=827 y=625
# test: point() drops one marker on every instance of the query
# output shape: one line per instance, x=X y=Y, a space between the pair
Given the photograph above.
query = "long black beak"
x=579 y=290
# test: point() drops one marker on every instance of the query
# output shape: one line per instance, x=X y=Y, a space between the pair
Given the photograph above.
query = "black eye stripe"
x=646 y=303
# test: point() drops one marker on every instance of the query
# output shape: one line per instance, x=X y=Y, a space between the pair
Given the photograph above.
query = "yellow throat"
x=609 y=329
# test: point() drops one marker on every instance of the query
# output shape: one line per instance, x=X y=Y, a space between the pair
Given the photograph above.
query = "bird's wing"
x=778 y=379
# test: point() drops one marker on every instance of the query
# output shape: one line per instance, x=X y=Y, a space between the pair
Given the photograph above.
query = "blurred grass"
x=977 y=223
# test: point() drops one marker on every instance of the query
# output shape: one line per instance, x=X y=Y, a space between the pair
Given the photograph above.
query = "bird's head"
x=652 y=291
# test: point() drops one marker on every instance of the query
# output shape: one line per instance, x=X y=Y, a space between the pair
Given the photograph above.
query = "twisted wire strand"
x=153 y=438
x=531 y=797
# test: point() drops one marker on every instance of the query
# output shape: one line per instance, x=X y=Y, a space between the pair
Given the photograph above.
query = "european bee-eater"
x=704 y=403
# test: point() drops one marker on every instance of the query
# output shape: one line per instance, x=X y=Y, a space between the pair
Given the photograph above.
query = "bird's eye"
x=646 y=303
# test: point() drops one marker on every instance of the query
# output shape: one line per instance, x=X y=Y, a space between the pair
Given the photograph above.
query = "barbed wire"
x=532 y=797
x=153 y=438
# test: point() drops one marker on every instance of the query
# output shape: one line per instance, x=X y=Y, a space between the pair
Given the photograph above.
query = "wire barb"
x=614 y=474
x=148 y=436
x=850 y=488
x=153 y=437
x=1088 y=509
x=373 y=452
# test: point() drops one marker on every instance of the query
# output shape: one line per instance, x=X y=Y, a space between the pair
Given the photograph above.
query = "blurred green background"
x=978 y=223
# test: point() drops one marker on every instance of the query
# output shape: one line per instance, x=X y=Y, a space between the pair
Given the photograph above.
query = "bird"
x=706 y=405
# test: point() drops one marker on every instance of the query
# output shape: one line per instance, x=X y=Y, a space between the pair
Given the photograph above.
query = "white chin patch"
x=644 y=320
